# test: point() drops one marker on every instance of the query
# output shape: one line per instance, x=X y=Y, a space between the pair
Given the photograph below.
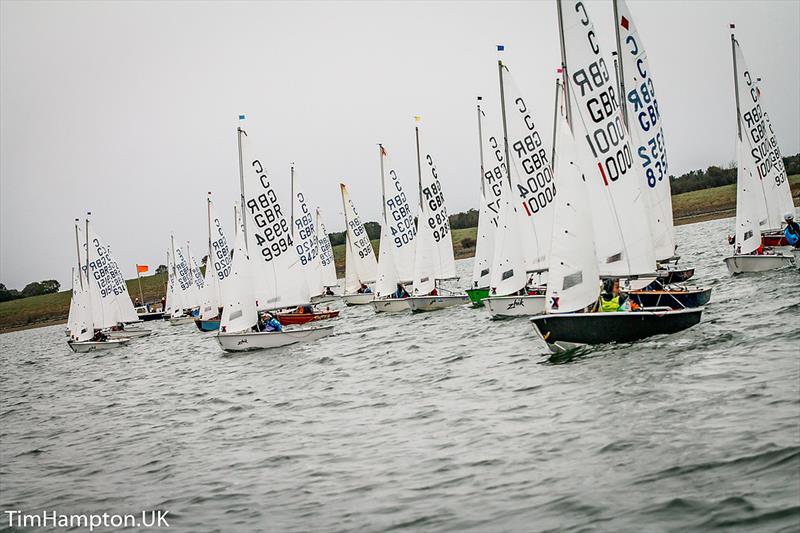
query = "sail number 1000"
x=606 y=140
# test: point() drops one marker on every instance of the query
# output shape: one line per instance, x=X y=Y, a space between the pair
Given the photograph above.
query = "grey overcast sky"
x=129 y=109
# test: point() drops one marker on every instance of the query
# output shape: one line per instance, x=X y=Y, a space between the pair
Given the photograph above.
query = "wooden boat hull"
x=476 y=296
x=207 y=325
x=95 y=346
x=676 y=298
x=774 y=240
x=179 y=321
x=129 y=333
x=358 y=298
x=569 y=330
x=419 y=304
x=246 y=341
x=738 y=264
x=390 y=305
x=514 y=306
x=674 y=275
x=305 y=318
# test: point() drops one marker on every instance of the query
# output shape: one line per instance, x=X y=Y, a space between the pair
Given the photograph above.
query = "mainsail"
x=643 y=119
x=360 y=263
x=218 y=266
x=305 y=239
x=326 y=259
x=238 y=304
x=110 y=301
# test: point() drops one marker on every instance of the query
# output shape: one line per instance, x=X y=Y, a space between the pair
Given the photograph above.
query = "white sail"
x=209 y=308
x=399 y=220
x=433 y=258
x=238 y=305
x=647 y=136
x=304 y=235
x=218 y=265
x=278 y=277
x=493 y=175
x=763 y=158
x=326 y=259
x=362 y=256
x=351 y=282
x=622 y=237
x=197 y=275
x=108 y=289
x=573 y=276
x=531 y=180
x=508 y=265
x=185 y=286
x=175 y=303
x=80 y=315
x=749 y=197
x=388 y=278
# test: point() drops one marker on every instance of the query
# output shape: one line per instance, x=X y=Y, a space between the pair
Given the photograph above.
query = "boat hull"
x=476 y=296
x=774 y=240
x=305 y=318
x=514 y=306
x=738 y=264
x=570 y=330
x=207 y=325
x=147 y=317
x=390 y=305
x=179 y=321
x=419 y=304
x=324 y=299
x=95 y=346
x=674 y=275
x=129 y=333
x=358 y=299
x=676 y=299
x=247 y=341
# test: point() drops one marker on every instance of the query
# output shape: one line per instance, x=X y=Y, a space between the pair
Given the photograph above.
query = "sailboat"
x=591 y=246
x=360 y=266
x=642 y=116
x=93 y=307
x=183 y=296
x=396 y=260
x=327 y=263
x=491 y=191
x=760 y=183
x=264 y=249
x=433 y=255
x=218 y=271
x=525 y=226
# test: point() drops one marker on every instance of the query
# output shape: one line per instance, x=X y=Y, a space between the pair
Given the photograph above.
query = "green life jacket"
x=608 y=306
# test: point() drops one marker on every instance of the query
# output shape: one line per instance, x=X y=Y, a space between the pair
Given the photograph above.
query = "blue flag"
x=241 y=117
x=500 y=47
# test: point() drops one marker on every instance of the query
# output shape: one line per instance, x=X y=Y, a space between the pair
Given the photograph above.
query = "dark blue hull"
x=207 y=325
x=675 y=299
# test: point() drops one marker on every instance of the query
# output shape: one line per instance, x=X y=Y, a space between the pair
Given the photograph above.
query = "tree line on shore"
x=35 y=288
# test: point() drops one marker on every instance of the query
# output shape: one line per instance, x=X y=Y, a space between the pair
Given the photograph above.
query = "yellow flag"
x=417 y=118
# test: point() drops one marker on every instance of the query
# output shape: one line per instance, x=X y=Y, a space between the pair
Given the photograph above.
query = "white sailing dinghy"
x=83 y=318
x=492 y=171
x=185 y=297
x=433 y=255
x=525 y=231
x=218 y=271
x=327 y=262
x=267 y=237
x=623 y=246
x=396 y=261
x=758 y=191
x=360 y=266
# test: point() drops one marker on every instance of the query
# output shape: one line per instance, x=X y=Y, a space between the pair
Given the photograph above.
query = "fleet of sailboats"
x=564 y=231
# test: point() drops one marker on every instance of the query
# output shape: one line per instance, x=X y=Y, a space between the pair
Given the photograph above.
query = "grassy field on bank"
x=696 y=206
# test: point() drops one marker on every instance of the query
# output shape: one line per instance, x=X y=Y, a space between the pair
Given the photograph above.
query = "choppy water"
x=435 y=422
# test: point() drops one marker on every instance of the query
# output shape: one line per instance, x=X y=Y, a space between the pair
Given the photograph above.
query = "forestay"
x=361 y=261
x=622 y=236
x=647 y=136
x=326 y=259
x=304 y=235
x=238 y=305
x=278 y=277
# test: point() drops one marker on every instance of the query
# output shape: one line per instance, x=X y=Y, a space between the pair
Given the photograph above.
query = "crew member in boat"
x=611 y=299
x=268 y=323
x=401 y=292
x=363 y=289
x=99 y=336
x=304 y=310
x=329 y=292
x=792 y=230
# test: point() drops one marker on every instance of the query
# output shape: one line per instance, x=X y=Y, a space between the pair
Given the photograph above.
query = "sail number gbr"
x=272 y=232
x=434 y=199
x=530 y=152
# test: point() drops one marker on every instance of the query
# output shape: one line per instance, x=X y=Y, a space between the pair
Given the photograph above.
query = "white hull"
x=361 y=298
x=179 y=321
x=245 y=341
x=390 y=305
x=796 y=255
x=94 y=346
x=514 y=306
x=433 y=303
x=324 y=299
x=129 y=334
x=738 y=264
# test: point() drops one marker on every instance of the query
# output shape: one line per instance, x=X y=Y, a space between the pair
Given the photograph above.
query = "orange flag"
x=141 y=268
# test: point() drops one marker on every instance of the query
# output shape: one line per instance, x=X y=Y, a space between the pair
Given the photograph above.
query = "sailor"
x=363 y=289
x=328 y=291
x=271 y=323
x=401 y=292
x=792 y=230
x=611 y=299
x=304 y=310
x=136 y=302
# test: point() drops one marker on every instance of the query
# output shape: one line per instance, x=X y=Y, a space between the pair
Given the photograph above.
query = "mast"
x=78 y=250
x=618 y=69
x=480 y=145
x=88 y=284
x=291 y=207
x=555 y=123
x=419 y=175
x=736 y=82
x=383 y=185
x=139 y=279
x=208 y=205
x=239 y=132
x=500 y=67
x=564 y=71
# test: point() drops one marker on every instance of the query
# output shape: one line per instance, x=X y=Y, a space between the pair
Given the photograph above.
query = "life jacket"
x=792 y=232
x=609 y=306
